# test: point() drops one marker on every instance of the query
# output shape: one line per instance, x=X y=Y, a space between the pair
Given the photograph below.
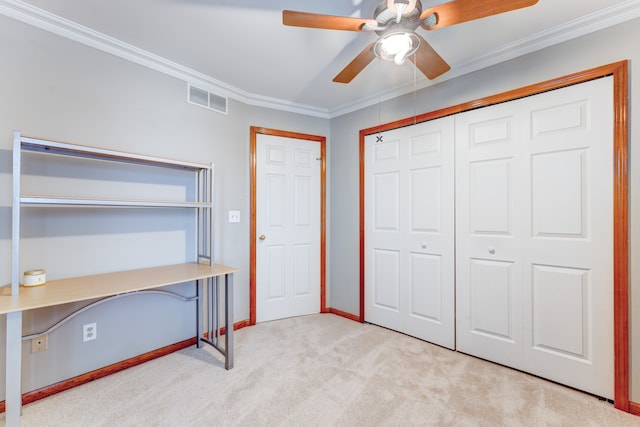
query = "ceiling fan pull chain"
x=415 y=97
x=379 y=137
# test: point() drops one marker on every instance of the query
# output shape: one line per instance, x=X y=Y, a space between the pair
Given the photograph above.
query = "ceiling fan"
x=395 y=21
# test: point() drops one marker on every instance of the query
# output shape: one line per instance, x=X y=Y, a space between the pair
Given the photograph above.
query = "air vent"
x=206 y=99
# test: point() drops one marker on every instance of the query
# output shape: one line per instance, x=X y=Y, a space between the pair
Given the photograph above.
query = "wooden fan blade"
x=327 y=22
x=458 y=11
x=359 y=62
x=428 y=61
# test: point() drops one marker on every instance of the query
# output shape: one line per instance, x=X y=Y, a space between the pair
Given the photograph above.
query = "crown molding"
x=55 y=24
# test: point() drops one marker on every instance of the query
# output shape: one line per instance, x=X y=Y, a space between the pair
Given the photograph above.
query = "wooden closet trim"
x=254 y=131
x=619 y=71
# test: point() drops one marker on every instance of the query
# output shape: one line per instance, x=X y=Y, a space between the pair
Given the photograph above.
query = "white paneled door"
x=489 y=209
x=287 y=227
x=409 y=230
x=534 y=248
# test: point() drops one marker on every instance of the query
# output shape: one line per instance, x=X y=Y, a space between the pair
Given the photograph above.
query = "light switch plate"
x=234 y=216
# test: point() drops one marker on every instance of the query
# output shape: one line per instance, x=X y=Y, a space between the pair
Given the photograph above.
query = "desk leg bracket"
x=209 y=319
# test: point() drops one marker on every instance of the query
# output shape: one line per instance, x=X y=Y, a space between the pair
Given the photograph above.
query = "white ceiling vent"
x=206 y=99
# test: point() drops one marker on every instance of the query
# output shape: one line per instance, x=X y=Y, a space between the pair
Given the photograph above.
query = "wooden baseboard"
x=634 y=408
x=238 y=325
x=344 y=314
x=50 y=390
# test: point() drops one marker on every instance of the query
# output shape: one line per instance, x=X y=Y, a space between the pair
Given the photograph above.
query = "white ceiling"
x=240 y=48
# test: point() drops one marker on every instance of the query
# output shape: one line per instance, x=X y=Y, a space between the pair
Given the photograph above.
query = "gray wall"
x=604 y=47
x=55 y=88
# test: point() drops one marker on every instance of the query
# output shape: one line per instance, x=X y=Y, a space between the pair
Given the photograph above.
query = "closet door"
x=409 y=223
x=489 y=176
x=568 y=277
x=534 y=257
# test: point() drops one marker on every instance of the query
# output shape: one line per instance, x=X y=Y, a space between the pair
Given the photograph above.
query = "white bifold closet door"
x=534 y=235
x=409 y=230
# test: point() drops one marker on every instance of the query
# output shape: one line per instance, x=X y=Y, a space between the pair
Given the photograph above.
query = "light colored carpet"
x=323 y=370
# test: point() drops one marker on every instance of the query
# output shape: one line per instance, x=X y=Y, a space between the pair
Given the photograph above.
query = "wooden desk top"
x=63 y=291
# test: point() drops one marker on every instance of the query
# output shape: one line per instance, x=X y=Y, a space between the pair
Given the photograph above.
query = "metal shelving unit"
x=204 y=272
x=203 y=203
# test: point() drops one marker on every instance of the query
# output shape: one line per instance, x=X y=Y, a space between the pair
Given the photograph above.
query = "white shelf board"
x=88 y=201
x=56 y=147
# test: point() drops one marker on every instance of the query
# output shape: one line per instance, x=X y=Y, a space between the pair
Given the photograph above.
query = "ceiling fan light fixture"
x=396 y=46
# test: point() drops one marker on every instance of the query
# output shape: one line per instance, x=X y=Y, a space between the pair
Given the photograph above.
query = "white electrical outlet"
x=39 y=344
x=89 y=332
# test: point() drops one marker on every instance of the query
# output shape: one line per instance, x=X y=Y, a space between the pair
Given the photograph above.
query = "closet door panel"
x=386 y=286
x=492 y=285
x=425 y=296
x=560 y=314
x=534 y=235
x=488 y=234
x=489 y=210
x=568 y=281
x=409 y=185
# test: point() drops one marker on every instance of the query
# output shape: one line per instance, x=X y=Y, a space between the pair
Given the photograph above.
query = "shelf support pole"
x=13 y=365
x=228 y=320
x=199 y=313
x=15 y=215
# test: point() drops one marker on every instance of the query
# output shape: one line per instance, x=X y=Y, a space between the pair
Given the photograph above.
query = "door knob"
x=262 y=237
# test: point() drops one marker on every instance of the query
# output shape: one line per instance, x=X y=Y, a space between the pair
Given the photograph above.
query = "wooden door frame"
x=619 y=71
x=255 y=131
